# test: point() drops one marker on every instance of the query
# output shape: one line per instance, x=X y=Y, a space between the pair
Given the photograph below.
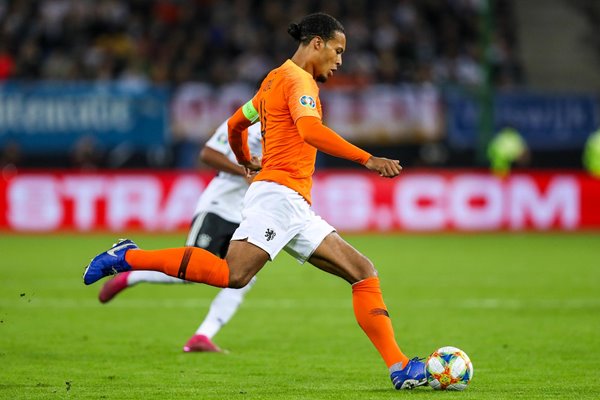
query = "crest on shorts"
x=270 y=234
x=203 y=240
x=308 y=101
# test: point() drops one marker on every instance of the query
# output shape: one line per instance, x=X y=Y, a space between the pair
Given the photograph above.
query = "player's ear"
x=317 y=42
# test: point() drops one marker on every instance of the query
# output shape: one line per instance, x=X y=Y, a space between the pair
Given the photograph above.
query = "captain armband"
x=250 y=112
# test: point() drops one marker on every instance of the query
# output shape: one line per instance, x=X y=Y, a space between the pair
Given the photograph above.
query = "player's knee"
x=365 y=269
x=238 y=280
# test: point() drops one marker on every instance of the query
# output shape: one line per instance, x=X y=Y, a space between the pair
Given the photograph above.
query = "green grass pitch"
x=525 y=307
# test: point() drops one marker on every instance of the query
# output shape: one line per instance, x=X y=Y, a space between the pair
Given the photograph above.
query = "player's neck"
x=302 y=59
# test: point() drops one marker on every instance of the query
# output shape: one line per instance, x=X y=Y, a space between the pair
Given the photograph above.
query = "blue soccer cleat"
x=411 y=376
x=109 y=262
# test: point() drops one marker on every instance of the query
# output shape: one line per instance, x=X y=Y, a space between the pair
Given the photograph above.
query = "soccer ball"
x=448 y=368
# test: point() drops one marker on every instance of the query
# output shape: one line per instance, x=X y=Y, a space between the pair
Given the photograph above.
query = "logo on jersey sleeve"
x=308 y=101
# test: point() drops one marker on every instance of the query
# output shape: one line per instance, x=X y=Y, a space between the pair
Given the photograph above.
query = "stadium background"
x=104 y=105
x=94 y=86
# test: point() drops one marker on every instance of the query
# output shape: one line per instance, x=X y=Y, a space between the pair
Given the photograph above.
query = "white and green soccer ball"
x=448 y=368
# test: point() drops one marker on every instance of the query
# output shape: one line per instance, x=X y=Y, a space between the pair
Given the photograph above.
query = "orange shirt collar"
x=292 y=64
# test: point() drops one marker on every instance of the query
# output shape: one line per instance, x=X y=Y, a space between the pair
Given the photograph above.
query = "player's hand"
x=384 y=166
x=252 y=167
x=250 y=175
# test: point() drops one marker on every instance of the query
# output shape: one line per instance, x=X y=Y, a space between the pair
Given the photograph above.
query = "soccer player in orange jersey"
x=277 y=214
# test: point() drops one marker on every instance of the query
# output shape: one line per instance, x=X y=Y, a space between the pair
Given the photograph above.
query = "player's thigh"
x=338 y=257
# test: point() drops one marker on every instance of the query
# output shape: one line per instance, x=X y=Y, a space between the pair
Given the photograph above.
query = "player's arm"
x=237 y=127
x=219 y=161
x=216 y=153
x=326 y=140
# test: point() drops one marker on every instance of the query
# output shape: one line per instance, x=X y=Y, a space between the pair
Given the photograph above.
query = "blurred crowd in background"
x=199 y=49
x=174 y=41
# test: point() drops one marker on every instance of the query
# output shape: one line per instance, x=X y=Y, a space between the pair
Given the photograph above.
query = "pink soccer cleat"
x=201 y=343
x=113 y=287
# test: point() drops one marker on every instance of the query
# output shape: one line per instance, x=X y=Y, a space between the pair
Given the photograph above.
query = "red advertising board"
x=350 y=201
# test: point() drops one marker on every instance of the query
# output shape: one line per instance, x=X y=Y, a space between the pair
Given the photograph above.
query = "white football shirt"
x=224 y=195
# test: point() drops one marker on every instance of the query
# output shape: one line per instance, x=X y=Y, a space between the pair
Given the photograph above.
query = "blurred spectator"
x=591 y=154
x=86 y=155
x=506 y=149
x=7 y=63
x=134 y=77
x=10 y=158
x=28 y=60
x=10 y=154
x=172 y=41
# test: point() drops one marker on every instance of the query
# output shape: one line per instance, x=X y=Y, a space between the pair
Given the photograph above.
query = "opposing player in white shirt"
x=218 y=214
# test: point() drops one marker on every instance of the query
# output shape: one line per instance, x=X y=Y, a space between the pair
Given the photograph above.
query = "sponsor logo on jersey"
x=308 y=101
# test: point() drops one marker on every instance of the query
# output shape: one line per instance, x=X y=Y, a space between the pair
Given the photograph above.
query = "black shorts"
x=211 y=232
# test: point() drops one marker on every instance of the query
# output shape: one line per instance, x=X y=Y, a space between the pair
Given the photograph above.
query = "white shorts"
x=276 y=217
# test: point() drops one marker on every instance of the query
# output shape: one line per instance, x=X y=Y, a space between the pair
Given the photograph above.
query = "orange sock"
x=189 y=263
x=373 y=318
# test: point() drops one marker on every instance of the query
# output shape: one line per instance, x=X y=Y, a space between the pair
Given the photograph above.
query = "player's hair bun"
x=294 y=31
